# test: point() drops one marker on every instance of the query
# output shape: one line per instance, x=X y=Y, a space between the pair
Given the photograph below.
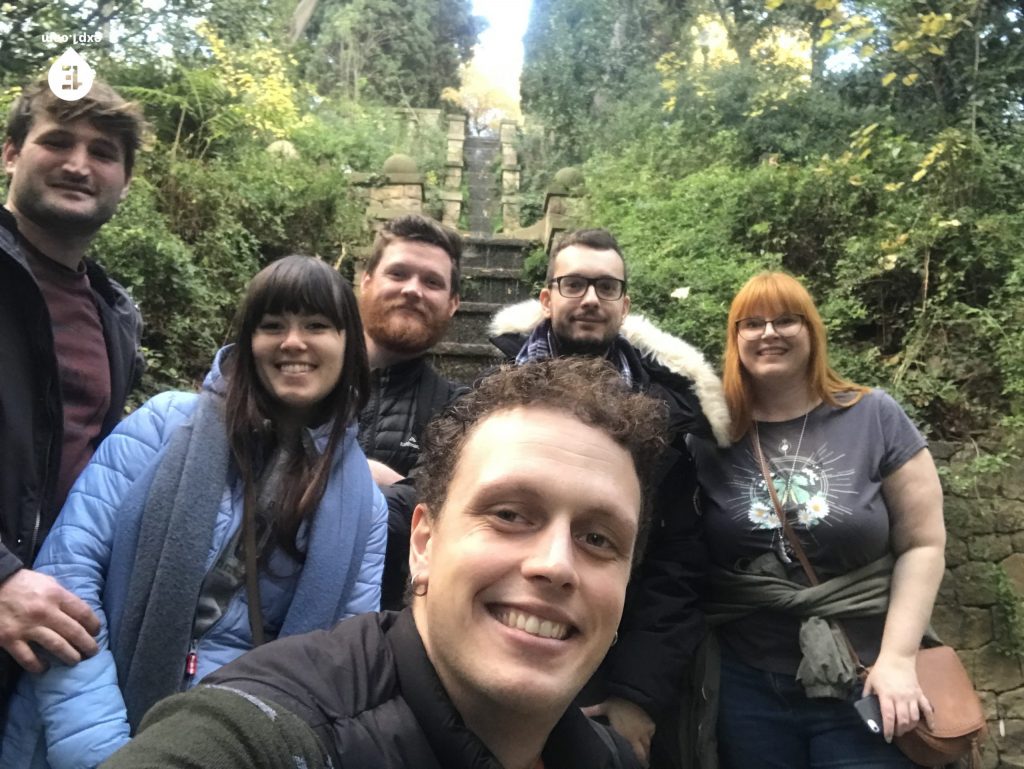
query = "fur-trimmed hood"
x=669 y=351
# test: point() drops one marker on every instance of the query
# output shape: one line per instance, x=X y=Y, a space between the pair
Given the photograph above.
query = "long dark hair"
x=307 y=285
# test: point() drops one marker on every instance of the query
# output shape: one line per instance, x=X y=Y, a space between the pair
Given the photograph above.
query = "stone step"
x=500 y=285
x=496 y=252
x=462 y=362
x=471 y=321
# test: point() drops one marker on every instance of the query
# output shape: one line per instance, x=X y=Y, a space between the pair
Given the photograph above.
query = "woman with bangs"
x=835 y=473
x=207 y=524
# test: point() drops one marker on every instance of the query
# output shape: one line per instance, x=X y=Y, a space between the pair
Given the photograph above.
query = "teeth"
x=528 y=623
x=295 y=368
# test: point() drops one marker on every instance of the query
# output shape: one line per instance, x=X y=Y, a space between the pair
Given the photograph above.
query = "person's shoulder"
x=681 y=376
x=304 y=672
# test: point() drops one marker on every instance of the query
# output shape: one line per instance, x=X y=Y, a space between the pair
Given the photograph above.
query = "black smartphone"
x=870 y=712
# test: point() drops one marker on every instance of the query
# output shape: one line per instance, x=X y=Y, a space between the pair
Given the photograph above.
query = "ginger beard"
x=399 y=326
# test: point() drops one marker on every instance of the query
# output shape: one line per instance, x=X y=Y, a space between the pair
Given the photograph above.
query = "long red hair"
x=780 y=293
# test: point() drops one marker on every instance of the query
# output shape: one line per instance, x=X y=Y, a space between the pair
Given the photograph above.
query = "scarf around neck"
x=542 y=344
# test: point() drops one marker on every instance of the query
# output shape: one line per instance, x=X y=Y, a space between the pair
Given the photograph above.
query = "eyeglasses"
x=575 y=286
x=785 y=325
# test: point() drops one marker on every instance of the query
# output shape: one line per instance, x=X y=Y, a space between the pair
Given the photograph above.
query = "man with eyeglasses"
x=583 y=309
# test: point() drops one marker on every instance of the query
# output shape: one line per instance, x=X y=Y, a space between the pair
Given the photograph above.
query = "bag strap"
x=798 y=549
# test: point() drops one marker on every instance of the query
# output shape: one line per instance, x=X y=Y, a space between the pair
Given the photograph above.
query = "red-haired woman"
x=858 y=491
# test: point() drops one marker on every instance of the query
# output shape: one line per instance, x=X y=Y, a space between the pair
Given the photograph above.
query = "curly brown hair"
x=587 y=388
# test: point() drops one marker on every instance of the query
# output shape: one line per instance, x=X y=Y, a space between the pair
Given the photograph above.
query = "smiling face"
x=772 y=358
x=526 y=565
x=407 y=302
x=298 y=360
x=67 y=178
x=585 y=325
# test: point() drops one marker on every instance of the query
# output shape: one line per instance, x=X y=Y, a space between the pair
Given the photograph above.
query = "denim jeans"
x=766 y=722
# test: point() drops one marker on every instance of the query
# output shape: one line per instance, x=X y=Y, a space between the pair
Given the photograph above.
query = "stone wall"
x=985 y=545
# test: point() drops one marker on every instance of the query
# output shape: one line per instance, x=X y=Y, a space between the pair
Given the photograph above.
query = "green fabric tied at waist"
x=827 y=668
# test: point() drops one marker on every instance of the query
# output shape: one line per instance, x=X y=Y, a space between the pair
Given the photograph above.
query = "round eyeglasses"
x=787 y=324
x=574 y=286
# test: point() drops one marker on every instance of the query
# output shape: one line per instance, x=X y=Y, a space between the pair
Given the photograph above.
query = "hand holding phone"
x=870 y=712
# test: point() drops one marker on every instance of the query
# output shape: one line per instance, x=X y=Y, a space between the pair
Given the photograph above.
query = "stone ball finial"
x=400 y=164
x=568 y=179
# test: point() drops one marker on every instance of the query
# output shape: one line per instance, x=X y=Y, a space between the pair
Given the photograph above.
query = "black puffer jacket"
x=661 y=623
x=402 y=400
x=367 y=690
x=31 y=412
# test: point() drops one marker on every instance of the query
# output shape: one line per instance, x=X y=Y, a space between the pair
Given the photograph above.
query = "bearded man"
x=407 y=297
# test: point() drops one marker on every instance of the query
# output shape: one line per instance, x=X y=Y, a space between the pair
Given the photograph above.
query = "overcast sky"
x=500 y=50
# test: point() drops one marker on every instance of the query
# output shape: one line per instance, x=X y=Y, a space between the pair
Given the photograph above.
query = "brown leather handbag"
x=959 y=719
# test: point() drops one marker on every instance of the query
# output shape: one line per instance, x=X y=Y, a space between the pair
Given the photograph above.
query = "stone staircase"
x=481 y=156
x=491 y=271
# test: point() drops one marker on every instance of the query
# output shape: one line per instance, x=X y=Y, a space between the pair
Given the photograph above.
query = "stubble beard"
x=59 y=220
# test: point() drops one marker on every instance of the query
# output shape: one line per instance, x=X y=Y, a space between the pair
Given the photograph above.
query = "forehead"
x=551 y=457
x=589 y=262
x=415 y=254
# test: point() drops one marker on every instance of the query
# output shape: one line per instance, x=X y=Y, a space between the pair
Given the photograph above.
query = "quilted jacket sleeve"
x=81 y=707
x=366 y=594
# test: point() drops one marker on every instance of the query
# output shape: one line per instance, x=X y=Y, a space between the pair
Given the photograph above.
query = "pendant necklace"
x=779 y=543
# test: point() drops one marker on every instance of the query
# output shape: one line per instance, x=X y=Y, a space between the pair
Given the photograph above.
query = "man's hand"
x=36 y=608
x=382 y=474
x=629 y=720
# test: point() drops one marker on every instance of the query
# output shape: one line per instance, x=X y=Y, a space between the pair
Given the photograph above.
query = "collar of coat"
x=651 y=342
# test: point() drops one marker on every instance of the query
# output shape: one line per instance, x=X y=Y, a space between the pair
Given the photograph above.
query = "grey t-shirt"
x=828 y=475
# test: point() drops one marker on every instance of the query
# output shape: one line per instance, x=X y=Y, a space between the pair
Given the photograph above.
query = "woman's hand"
x=893 y=679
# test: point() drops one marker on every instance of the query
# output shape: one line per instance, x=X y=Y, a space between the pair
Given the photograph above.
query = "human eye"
x=508 y=518
x=607 y=287
x=600 y=543
x=574 y=284
x=786 y=322
x=318 y=323
x=106 y=152
x=270 y=323
x=55 y=140
x=752 y=324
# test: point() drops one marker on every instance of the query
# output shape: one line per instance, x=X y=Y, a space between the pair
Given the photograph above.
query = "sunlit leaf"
x=887 y=80
x=919 y=175
x=910 y=79
x=867 y=51
x=893 y=186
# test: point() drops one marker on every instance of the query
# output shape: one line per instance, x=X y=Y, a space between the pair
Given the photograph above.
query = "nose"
x=76 y=159
x=769 y=325
x=552 y=557
x=412 y=287
x=294 y=339
x=590 y=295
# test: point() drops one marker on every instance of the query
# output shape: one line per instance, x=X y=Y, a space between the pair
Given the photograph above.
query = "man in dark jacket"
x=407 y=297
x=533 y=489
x=584 y=311
x=69 y=348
